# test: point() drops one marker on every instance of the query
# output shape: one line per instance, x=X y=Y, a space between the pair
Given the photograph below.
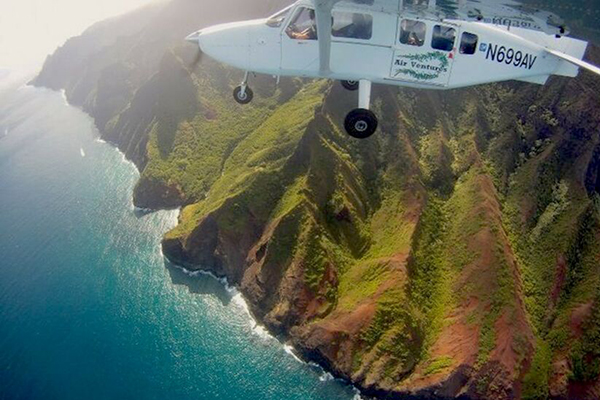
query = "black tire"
x=350 y=85
x=247 y=98
x=361 y=123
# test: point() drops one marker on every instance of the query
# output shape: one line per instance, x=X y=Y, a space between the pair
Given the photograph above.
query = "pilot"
x=309 y=33
x=412 y=39
x=417 y=34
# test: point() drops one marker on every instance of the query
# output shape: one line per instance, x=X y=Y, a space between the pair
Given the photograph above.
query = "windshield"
x=276 y=20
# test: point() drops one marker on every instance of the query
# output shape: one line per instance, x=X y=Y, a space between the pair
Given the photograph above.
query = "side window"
x=352 y=25
x=468 y=43
x=303 y=25
x=443 y=38
x=412 y=32
x=276 y=20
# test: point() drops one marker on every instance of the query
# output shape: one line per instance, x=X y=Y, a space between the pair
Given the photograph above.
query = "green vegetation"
x=473 y=208
x=438 y=365
x=395 y=332
x=535 y=383
x=557 y=206
x=585 y=354
x=362 y=282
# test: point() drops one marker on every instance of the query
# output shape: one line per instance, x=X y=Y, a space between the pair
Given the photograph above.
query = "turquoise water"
x=88 y=308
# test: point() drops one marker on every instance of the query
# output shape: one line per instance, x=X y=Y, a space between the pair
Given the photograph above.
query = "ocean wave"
x=262 y=332
x=238 y=299
x=290 y=350
x=326 y=377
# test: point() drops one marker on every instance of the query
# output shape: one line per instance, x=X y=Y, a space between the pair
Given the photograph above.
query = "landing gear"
x=243 y=94
x=361 y=123
x=350 y=85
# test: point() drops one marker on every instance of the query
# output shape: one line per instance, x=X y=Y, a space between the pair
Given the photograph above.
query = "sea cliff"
x=455 y=254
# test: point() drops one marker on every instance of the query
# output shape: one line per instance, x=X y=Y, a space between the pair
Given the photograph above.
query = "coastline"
x=263 y=331
x=259 y=328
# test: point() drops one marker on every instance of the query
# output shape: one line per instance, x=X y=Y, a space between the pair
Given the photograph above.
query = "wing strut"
x=323 y=10
x=575 y=61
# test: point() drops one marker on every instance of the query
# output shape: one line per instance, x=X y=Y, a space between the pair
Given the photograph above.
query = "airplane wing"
x=575 y=61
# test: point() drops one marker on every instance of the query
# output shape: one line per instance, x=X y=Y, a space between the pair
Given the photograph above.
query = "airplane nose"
x=194 y=37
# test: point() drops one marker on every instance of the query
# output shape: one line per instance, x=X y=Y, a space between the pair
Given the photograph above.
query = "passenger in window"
x=413 y=33
x=412 y=39
x=362 y=27
x=300 y=31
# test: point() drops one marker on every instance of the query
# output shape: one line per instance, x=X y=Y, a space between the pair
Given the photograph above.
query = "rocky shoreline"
x=453 y=255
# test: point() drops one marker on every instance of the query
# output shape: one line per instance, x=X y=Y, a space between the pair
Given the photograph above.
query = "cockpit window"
x=303 y=25
x=352 y=25
x=443 y=38
x=412 y=32
x=276 y=20
x=468 y=43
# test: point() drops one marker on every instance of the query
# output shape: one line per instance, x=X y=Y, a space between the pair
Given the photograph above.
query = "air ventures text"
x=418 y=65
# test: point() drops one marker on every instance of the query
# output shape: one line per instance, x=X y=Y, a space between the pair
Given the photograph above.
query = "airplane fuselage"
x=389 y=47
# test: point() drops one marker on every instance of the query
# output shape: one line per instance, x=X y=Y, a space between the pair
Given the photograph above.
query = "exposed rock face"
x=455 y=254
x=423 y=287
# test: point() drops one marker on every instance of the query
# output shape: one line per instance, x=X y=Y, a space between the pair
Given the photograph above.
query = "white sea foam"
x=290 y=350
x=124 y=158
x=326 y=377
x=262 y=332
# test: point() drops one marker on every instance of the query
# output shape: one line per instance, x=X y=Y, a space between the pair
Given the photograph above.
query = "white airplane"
x=385 y=42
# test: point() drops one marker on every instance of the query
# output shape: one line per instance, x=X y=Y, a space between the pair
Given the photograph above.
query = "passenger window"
x=443 y=38
x=412 y=32
x=468 y=43
x=303 y=26
x=352 y=25
x=276 y=20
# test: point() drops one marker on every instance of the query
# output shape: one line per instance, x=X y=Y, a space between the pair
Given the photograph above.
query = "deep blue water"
x=88 y=308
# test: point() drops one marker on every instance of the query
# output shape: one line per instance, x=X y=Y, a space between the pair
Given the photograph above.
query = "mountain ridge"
x=453 y=255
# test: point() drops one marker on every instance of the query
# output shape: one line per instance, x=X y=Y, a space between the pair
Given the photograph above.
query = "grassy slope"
x=454 y=218
x=465 y=233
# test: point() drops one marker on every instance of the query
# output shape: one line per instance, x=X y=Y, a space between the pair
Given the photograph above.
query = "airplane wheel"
x=245 y=98
x=350 y=85
x=361 y=123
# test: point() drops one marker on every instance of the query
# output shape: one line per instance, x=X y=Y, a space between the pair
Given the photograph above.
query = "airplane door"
x=424 y=52
x=299 y=44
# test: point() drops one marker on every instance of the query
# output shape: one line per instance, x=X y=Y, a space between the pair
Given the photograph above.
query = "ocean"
x=89 y=309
